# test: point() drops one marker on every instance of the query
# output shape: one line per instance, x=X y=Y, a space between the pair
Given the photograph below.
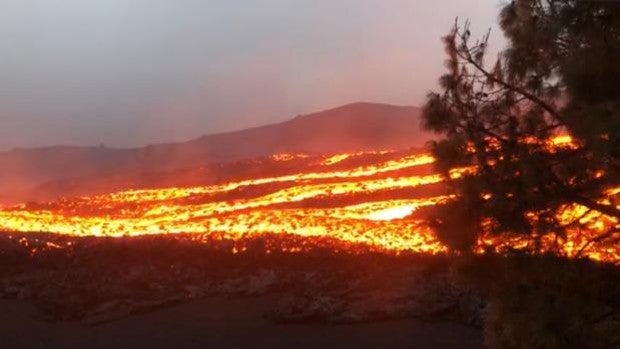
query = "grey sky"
x=132 y=72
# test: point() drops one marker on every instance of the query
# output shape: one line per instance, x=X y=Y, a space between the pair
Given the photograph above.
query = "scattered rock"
x=102 y=280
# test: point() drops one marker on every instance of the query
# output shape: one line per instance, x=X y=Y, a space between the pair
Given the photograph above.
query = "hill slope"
x=358 y=126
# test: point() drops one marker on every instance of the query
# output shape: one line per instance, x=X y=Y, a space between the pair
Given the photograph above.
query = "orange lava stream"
x=175 y=193
x=376 y=223
x=352 y=205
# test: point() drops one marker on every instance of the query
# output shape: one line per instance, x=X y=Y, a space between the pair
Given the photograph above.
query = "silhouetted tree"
x=560 y=74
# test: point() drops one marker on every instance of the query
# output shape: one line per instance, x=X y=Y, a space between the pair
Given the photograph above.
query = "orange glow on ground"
x=365 y=205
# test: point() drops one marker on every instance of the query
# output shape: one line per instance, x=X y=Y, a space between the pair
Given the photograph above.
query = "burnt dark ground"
x=224 y=323
x=160 y=291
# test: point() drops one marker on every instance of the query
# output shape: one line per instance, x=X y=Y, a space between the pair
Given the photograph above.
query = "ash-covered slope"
x=358 y=126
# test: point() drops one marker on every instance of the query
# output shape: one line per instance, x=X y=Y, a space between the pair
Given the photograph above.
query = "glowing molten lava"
x=361 y=199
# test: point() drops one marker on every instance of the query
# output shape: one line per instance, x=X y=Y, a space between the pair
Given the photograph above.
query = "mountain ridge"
x=352 y=127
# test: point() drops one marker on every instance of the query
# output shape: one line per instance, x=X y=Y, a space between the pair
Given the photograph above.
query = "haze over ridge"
x=352 y=127
x=130 y=73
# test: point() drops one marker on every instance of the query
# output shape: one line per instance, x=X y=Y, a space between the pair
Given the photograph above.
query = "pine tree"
x=559 y=75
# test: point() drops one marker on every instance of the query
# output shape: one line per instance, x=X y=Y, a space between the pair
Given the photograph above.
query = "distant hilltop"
x=352 y=127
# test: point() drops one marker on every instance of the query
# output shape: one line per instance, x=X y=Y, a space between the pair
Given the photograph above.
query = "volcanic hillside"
x=35 y=174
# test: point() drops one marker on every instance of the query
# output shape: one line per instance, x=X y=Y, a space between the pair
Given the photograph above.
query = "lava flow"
x=358 y=200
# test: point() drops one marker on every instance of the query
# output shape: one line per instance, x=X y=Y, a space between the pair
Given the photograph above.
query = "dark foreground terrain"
x=223 y=323
x=162 y=292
